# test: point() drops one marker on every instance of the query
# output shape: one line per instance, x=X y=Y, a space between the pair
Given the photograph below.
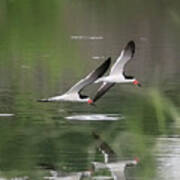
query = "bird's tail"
x=43 y=100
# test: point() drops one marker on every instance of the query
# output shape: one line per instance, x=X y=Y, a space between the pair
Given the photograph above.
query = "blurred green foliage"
x=38 y=58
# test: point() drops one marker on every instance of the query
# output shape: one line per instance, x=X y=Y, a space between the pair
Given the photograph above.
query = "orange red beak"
x=137 y=159
x=90 y=101
x=137 y=83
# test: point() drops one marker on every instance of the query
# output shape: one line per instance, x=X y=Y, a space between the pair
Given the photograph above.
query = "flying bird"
x=117 y=73
x=74 y=93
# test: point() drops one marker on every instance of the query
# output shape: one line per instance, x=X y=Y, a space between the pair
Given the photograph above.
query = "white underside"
x=114 y=79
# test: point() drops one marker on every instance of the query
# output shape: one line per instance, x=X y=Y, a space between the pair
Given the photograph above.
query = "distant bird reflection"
x=117 y=168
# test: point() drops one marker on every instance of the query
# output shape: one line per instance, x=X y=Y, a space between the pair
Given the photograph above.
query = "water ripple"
x=81 y=37
x=95 y=117
x=168 y=156
x=6 y=115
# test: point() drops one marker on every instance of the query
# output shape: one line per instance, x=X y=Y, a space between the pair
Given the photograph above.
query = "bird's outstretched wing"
x=90 y=78
x=104 y=148
x=126 y=54
x=102 y=90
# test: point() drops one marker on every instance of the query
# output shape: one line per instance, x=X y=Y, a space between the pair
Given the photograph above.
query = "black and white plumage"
x=102 y=90
x=74 y=93
x=117 y=73
x=111 y=162
x=104 y=148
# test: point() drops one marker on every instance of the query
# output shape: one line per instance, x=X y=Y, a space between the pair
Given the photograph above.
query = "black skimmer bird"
x=74 y=93
x=117 y=73
x=117 y=168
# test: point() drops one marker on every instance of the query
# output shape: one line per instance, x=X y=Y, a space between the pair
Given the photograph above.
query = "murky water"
x=47 y=46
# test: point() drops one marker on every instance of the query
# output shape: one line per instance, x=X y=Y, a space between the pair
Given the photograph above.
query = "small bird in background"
x=117 y=73
x=74 y=93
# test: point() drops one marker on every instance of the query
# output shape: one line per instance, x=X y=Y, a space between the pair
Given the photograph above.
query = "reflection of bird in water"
x=56 y=174
x=117 y=73
x=70 y=176
x=117 y=168
x=74 y=93
x=104 y=148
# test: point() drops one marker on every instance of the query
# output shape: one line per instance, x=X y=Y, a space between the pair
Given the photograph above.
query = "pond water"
x=47 y=46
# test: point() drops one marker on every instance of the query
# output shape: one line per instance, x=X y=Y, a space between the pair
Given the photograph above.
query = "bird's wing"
x=102 y=90
x=104 y=147
x=90 y=78
x=126 y=54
